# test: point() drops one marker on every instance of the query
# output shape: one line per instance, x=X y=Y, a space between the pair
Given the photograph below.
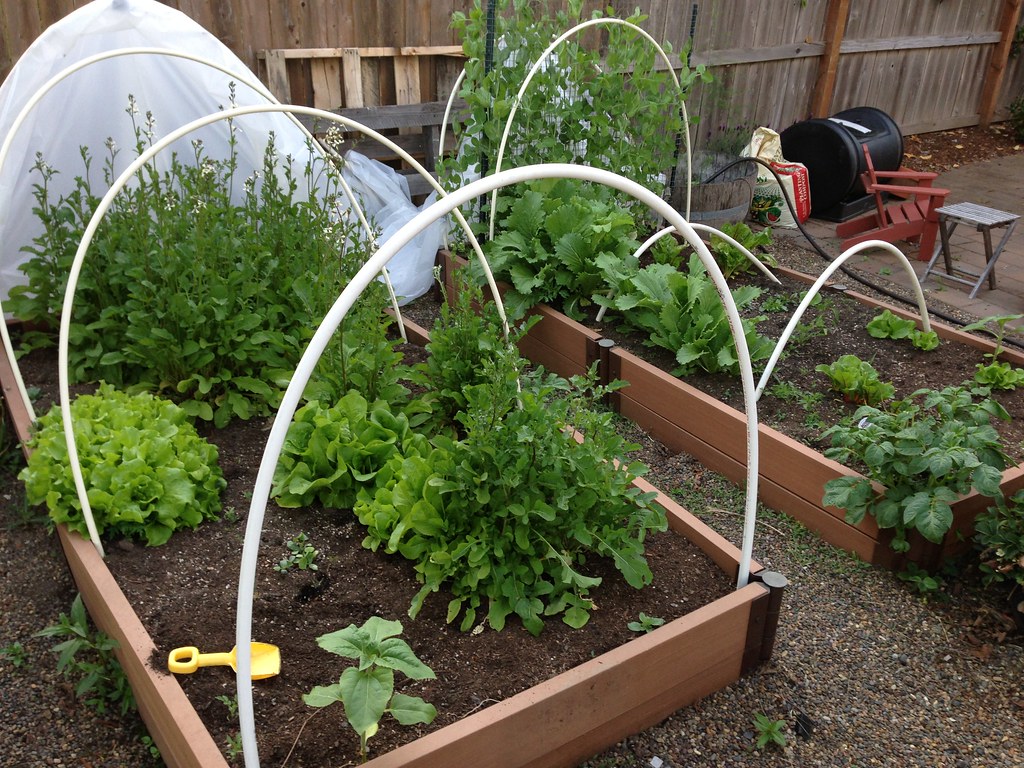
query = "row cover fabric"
x=88 y=109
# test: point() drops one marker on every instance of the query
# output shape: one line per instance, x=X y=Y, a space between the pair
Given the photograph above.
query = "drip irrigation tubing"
x=947 y=318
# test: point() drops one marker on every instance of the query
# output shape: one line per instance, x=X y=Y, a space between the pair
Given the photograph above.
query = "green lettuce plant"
x=730 y=258
x=891 y=326
x=367 y=690
x=857 y=380
x=927 y=450
x=996 y=373
x=147 y=470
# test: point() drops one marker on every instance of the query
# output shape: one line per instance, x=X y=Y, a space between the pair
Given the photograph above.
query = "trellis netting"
x=87 y=108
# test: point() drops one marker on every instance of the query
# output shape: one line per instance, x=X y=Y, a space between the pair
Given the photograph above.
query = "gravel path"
x=876 y=674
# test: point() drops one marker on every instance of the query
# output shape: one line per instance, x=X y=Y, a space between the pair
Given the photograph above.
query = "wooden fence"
x=931 y=64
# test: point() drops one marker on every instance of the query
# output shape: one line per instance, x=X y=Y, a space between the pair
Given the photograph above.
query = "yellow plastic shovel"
x=266 y=660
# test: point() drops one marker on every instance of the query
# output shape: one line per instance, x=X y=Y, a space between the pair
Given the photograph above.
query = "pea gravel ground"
x=866 y=671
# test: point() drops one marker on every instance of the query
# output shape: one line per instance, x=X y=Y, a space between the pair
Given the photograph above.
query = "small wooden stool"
x=984 y=220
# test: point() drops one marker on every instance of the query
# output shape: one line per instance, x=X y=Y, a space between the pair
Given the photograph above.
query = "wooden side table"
x=984 y=220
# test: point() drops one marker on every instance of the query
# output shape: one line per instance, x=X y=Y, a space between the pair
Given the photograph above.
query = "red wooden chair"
x=910 y=217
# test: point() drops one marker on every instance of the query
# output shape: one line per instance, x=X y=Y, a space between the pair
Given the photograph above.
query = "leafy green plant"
x=857 y=380
x=645 y=623
x=1017 y=117
x=231 y=702
x=730 y=258
x=301 y=555
x=15 y=653
x=999 y=533
x=86 y=658
x=148 y=470
x=205 y=287
x=890 y=326
x=233 y=745
x=683 y=313
x=920 y=579
x=554 y=241
x=769 y=731
x=996 y=373
x=367 y=691
x=927 y=450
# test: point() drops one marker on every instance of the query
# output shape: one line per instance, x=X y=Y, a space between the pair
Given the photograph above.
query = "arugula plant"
x=301 y=555
x=86 y=658
x=891 y=326
x=683 y=313
x=367 y=690
x=203 y=286
x=148 y=470
x=857 y=380
x=927 y=450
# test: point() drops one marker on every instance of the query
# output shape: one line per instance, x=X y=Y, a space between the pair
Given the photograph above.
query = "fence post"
x=835 y=29
x=997 y=64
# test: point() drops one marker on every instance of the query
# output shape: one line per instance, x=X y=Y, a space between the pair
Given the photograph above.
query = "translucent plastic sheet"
x=88 y=107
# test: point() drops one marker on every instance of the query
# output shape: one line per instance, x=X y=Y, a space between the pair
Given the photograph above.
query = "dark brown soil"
x=185 y=591
x=943 y=150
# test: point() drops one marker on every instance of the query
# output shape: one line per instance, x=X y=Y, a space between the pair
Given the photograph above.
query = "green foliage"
x=329 y=453
x=367 y=691
x=86 y=658
x=996 y=373
x=645 y=623
x=730 y=258
x=999 y=534
x=615 y=107
x=769 y=731
x=857 y=380
x=231 y=702
x=1017 y=117
x=555 y=243
x=147 y=470
x=15 y=654
x=301 y=555
x=683 y=313
x=890 y=326
x=202 y=286
x=926 y=450
x=920 y=579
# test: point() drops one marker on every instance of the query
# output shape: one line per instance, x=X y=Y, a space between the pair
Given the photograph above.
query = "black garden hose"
x=829 y=258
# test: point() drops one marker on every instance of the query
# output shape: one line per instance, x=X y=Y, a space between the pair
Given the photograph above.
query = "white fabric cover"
x=89 y=106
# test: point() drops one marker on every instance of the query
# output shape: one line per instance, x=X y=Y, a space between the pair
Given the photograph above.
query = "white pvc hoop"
x=255 y=85
x=334 y=317
x=814 y=289
x=107 y=201
x=536 y=68
x=649 y=242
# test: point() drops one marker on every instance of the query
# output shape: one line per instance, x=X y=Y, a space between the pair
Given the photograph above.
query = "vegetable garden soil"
x=184 y=592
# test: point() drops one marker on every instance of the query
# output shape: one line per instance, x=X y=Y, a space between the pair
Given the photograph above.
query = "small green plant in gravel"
x=769 y=731
x=927 y=450
x=301 y=555
x=924 y=582
x=999 y=534
x=857 y=380
x=86 y=658
x=15 y=654
x=890 y=326
x=996 y=373
x=367 y=690
x=645 y=623
x=148 y=470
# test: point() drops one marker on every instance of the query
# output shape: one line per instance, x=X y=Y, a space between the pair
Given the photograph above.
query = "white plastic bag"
x=384 y=195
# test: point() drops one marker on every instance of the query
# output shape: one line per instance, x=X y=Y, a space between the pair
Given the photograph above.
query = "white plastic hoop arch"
x=334 y=317
x=536 y=68
x=813 y=291
x=104 y=205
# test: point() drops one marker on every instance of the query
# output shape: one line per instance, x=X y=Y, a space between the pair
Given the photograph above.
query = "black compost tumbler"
x=832 y=150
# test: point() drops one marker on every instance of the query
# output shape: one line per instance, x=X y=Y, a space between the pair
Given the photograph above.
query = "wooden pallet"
x=335 y=78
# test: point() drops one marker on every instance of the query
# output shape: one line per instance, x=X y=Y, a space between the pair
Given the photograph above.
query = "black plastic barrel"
x=832 y=150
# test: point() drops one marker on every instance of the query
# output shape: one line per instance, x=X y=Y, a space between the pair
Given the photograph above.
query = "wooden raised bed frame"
x=792 y=476
x=569 y=718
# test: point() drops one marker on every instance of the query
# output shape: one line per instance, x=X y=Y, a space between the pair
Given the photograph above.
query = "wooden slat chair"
x=911 y=217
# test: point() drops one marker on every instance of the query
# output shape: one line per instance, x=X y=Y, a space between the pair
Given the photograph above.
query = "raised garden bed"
x=570 y=716
x=792 y=475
